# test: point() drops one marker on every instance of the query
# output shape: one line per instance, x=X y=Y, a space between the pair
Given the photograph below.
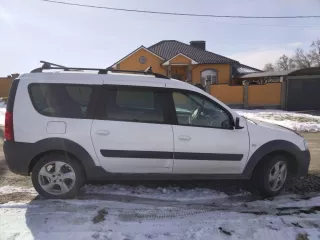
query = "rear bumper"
x=304 y=162
x=18 y=156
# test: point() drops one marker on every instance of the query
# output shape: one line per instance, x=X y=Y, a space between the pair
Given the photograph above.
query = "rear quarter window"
x=61 y=100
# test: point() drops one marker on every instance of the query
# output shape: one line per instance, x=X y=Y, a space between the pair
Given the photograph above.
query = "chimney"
x=198 y=44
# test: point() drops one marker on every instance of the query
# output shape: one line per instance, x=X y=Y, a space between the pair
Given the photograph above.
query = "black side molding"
x=171 y=155
x=136 y=154
x=208 y=156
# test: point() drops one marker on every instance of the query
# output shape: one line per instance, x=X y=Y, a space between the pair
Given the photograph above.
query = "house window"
x=142 y=59
x=209 y=76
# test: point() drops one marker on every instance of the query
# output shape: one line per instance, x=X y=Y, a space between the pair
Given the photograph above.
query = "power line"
x=178 y=14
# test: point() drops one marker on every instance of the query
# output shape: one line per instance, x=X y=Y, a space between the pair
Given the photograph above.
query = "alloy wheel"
x=277 y=176
x=57 y=177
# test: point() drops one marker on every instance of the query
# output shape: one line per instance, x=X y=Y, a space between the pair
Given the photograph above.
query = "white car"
x=66 y=127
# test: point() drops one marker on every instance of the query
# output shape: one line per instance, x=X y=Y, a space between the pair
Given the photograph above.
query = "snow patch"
x=13 y=189
x=296 y=121
x=52 y=219
x=2 y=113
x=224 y=218
x=168 y=193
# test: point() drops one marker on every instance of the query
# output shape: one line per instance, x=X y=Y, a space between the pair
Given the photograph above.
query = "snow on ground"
x=161 y=193
x=122 y=212
x=2 y=113
x=14 y=189
x=296 y=121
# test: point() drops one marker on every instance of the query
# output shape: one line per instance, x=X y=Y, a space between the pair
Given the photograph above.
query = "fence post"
x=208 y=86
x=283 y=96
x=246 y=95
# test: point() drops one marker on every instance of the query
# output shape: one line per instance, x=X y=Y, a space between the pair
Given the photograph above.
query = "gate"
x=303 y=93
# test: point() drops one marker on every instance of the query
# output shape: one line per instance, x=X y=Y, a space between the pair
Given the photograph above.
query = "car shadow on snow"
x=138 y=201
x=91 y=216
x=53 y=217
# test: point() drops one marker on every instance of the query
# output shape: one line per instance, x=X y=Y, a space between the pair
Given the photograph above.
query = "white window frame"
x=204 y=79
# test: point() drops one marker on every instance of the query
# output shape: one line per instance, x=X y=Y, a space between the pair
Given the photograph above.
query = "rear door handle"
x=102 y=132
x=184 y=138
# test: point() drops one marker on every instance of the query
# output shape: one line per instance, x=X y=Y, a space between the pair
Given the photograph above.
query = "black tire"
x=261 y=175
x=74 y=164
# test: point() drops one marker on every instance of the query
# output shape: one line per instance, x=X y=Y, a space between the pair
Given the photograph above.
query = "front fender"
x=301 y=158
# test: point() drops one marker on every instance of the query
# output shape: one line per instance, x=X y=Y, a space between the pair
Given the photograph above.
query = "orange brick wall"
x=227 y=94
x=268 y=94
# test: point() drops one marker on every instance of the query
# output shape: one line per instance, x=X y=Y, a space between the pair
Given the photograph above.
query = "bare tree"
x=301 y=59
x=314 y=53
x=268 y=67
x=284 y=63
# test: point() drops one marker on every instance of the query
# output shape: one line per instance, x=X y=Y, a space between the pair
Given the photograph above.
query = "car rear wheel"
x=57 y=176
x=272 y=175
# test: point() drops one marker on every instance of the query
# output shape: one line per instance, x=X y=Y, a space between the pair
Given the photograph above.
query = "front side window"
x=134 y=105
x=209 y=77
x=195 y=110
x=61 y=100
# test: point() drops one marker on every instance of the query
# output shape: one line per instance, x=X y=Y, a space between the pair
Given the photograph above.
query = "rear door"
x=204 y=139
x=132 y=133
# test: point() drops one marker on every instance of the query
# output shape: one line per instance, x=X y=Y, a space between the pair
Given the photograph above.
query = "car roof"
x=110 y=78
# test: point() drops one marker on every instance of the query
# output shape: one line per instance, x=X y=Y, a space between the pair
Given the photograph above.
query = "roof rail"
x=52 y=66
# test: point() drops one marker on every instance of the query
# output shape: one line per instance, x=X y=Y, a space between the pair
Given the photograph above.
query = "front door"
x=204 y=139
x=132 y=134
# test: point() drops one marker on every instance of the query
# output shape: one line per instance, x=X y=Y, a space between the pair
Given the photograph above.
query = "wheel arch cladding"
x=275 y=147
x=63 y=146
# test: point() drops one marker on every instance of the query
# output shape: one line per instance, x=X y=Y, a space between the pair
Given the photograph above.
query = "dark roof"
x=269 y=74
x=290 y=72
x=169 y=48
x=241 y=69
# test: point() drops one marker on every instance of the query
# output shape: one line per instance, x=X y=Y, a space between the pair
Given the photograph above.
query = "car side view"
x=65 y=126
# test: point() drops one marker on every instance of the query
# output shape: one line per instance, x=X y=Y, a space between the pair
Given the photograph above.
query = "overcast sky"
x=32 y=30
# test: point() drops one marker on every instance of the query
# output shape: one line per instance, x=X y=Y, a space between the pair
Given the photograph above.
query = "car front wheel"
x=272 y=175
x=57 y=176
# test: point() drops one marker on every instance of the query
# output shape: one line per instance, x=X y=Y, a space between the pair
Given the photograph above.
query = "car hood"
x=271 y=126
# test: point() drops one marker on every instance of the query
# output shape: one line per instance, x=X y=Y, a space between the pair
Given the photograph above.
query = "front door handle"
x=102 y=133
x=184 y=138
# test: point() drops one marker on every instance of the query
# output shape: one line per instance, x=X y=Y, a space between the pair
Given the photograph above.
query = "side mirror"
x=237 y=123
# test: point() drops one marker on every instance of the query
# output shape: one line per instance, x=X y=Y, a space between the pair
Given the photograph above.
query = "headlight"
x=305 y=144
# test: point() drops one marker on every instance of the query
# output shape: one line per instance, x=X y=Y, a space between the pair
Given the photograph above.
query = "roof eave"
x=181 y=54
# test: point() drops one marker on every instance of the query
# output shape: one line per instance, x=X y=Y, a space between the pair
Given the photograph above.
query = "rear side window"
x=133 y=105
x=61 y=100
